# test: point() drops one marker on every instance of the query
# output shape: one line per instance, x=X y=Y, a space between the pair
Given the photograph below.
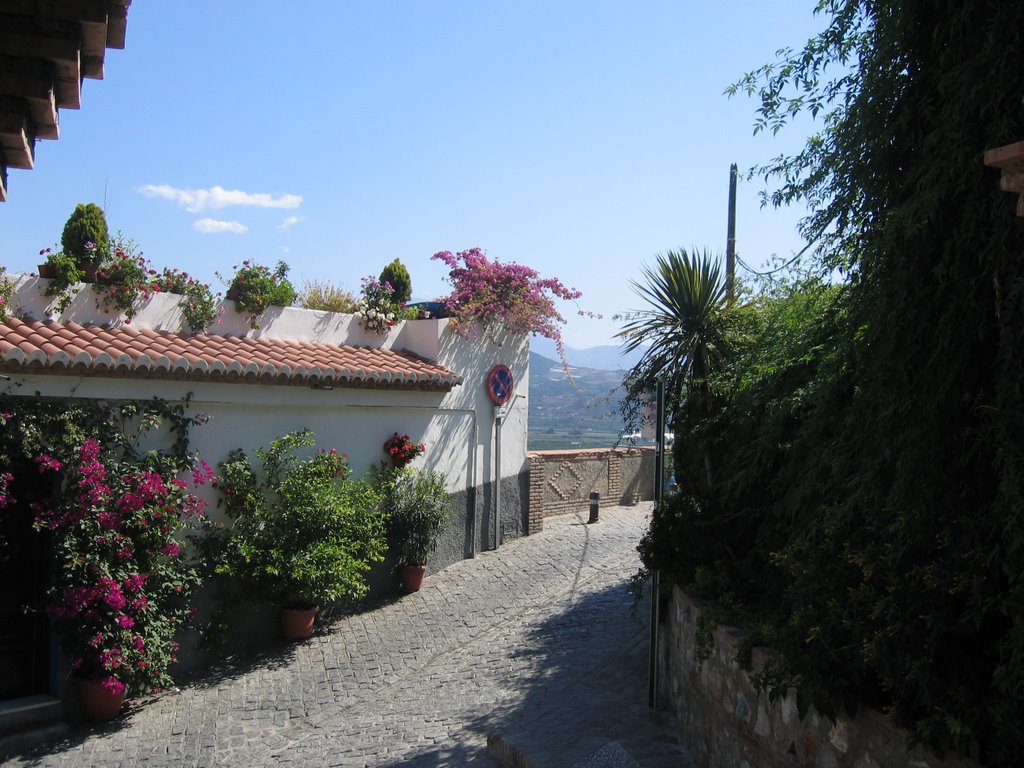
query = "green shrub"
x=303 y=532
x=86 y=224
x=417 y=507
x=255 y=287
x=397 y=275
x=317 y=294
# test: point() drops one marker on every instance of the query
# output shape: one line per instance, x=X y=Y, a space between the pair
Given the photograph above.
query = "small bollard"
x=595 y=505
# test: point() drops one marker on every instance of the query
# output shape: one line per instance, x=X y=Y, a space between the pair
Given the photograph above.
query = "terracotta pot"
x=98 y=704
x=297 y=623
x=89 y=272
x=47 y=270
x=412 y=577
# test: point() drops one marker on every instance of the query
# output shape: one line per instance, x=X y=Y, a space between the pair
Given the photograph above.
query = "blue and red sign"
x=500 y=384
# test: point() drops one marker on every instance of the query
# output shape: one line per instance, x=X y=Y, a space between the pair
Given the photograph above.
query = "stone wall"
x=725 y=723
x=561 y=481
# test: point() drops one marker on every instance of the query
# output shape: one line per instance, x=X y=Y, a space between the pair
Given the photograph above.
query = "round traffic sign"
x=500 y=384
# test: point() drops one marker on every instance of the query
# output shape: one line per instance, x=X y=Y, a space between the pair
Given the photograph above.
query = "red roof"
x=51 y=347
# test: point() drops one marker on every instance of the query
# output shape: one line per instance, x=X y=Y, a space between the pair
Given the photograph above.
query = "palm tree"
x=684 y=329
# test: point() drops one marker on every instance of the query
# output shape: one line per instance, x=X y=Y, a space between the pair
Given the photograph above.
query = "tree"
x=685 y=330
x=894 y=531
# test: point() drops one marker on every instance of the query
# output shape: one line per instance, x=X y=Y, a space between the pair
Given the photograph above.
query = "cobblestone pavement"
x=534 y=643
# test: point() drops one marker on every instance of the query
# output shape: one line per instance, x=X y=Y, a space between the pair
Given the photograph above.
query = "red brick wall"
x=561 y=481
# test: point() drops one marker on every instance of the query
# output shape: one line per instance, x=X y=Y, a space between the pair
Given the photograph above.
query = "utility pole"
x=730 y=242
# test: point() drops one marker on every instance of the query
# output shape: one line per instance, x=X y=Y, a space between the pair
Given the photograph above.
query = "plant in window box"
x=303 y=533
x=122 y=279
x=66 y=276
x=255 y=287
x=377 y=309
x=198 y=303
x=86 y=238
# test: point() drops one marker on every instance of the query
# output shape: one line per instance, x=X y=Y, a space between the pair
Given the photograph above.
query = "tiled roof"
x=50 y=347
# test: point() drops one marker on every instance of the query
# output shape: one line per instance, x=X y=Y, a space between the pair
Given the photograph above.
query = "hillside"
x=582 y=413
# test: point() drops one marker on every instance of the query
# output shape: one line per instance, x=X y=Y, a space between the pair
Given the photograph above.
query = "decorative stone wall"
x=561 y=481
x=725 y=723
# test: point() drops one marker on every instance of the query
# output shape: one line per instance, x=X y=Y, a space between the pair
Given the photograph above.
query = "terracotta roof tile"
x=58 y=348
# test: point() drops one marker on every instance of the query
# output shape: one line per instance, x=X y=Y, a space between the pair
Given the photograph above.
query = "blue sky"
x=578 y=138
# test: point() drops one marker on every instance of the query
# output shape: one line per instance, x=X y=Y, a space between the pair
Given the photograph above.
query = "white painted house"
x=300 y=369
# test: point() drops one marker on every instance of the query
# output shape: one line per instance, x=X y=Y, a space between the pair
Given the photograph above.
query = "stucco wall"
x=458 y=427
x=725 y=723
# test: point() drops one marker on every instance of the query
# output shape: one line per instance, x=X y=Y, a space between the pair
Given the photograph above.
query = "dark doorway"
x=24 y=570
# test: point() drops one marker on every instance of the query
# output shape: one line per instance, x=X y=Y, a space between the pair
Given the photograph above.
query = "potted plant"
x=255 y=287
x=198 y=304
x=417 y=507
x=121 y=586
x=400 y=450
x=303 y=533
x=86 y=238
x=122 y=279
x=378 y=310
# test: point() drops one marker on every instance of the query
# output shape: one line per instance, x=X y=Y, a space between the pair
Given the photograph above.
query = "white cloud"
x=210 y=226
x=290 y=222
x=215 y=198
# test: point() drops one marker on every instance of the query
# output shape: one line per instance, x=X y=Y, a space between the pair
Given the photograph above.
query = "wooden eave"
x=46 y=48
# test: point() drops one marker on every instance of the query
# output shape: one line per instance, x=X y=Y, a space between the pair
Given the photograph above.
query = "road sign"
x=500 y=384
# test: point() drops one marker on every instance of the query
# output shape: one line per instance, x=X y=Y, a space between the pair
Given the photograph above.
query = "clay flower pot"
x=99 y=704
x=297 y=623
x=412 y=577
x=47 y=270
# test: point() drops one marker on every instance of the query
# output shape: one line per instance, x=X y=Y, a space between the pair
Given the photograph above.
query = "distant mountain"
x=581 y=413
x=607 y=357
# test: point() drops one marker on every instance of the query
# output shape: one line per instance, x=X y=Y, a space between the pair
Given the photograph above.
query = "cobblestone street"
x=535 y=644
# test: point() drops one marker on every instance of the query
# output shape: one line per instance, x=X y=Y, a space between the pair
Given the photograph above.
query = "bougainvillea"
x=488 y=295
x=121 y=584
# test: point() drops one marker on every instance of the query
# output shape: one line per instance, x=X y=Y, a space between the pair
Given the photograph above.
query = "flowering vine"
x=117 y=518
x=490 y=294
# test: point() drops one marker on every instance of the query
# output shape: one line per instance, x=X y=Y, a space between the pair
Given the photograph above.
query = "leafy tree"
x=868 y=514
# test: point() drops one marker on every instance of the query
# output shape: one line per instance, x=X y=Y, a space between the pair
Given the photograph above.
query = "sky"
x=577 y=138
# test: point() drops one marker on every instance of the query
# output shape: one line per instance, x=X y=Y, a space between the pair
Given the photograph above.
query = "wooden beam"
x=3 y=184
x=21 y=37
x=32 y=82
x=16 y=142
x=117 y=23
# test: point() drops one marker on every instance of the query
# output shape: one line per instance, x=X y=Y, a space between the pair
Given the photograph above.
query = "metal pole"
x=730 y=241
x=659 y=479
x=497 y=482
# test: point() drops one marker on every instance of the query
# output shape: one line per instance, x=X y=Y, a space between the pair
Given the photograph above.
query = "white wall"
x=457 y=426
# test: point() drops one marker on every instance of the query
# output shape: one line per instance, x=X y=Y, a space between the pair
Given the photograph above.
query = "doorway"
x=24 y=576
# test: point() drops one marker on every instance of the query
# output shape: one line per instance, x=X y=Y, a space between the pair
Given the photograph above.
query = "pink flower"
x=113 y=686
x=171 y=549
x=125 y=622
